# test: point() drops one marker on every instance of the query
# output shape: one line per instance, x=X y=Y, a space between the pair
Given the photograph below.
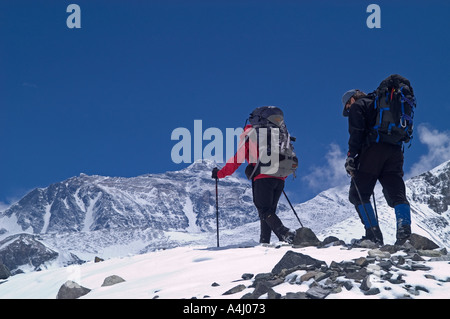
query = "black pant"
x=266 y=193
x=382 y=162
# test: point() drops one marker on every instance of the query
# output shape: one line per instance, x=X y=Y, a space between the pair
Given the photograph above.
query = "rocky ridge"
x=382 y=268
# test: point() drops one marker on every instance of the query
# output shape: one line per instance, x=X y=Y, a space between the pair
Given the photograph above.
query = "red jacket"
x=246 y=150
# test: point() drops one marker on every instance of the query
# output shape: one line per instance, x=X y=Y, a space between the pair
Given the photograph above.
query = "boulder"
x=71 y=290
x=305 y=237
x=421 y=242
x=112 y=280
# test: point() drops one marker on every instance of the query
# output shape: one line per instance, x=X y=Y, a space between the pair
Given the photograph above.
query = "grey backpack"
x=276 y=152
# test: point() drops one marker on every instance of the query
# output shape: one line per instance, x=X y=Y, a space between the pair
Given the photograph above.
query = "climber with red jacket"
x=267 y=185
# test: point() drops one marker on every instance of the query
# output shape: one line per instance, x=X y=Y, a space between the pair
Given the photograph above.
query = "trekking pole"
x=364 y=207
x=292 y=208
x=375 y=205
x=217 y=210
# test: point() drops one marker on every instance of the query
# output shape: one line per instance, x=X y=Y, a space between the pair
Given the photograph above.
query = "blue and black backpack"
x=395 y=104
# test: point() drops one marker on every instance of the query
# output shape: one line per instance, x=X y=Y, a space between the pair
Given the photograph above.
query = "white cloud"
x=330 y=175
x=438 y=144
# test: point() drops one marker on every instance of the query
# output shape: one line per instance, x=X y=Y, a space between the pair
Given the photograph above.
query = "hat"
x=347 y=96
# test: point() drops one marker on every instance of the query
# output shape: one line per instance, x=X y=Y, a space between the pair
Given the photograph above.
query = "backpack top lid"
x=394 y=81
x=267 y=115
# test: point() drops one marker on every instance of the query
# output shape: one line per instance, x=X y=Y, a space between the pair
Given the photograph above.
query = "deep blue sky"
x=104 y=99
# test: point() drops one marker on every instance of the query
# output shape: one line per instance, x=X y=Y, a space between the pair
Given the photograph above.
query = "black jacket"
x=361 y=120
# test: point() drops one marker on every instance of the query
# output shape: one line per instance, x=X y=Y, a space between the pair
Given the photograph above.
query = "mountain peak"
x=201 y=165
x=443 y=168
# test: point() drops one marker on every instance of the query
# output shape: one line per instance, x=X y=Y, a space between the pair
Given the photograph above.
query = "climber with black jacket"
x=371 y=158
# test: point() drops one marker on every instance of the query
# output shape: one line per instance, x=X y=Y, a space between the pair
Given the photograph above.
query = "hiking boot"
x=374 y=235
x=378 y=239
x=289 y=237
x=363 y=242
x=403 y=234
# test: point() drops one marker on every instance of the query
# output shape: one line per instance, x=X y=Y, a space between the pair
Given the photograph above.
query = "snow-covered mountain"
x=114 y=216
x=429 y=194
x=88 y=216
x=182 y=200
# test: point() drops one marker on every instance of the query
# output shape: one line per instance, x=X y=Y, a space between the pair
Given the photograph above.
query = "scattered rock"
x=322 y=275
x=378 y=253
x=247 y=276
x=112 y=280
x=292 y=259
x=71 y=290
x=261 y=288
x=271 y=294
x=331 y=241
x=361 y=262
x=296 y=295
x=366 y=284
x=422 y=288
x=392 y=249
x=373 y=269
x=98 y=259
x=308 y=276
x=416 y=257
x=366 y=244
x=442 y=258
x=262 y=277
x=317 y=292
x=356 y=275
x=372 y=291
x=234 y=290
x=429 y=253
x=397 y=260
x=420 y=267
x=348 y=285
x=385 y=264
x=285 y=272
x=397 y=281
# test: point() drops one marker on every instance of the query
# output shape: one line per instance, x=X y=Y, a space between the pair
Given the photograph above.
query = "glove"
x=350 y=166
x=214 y=173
